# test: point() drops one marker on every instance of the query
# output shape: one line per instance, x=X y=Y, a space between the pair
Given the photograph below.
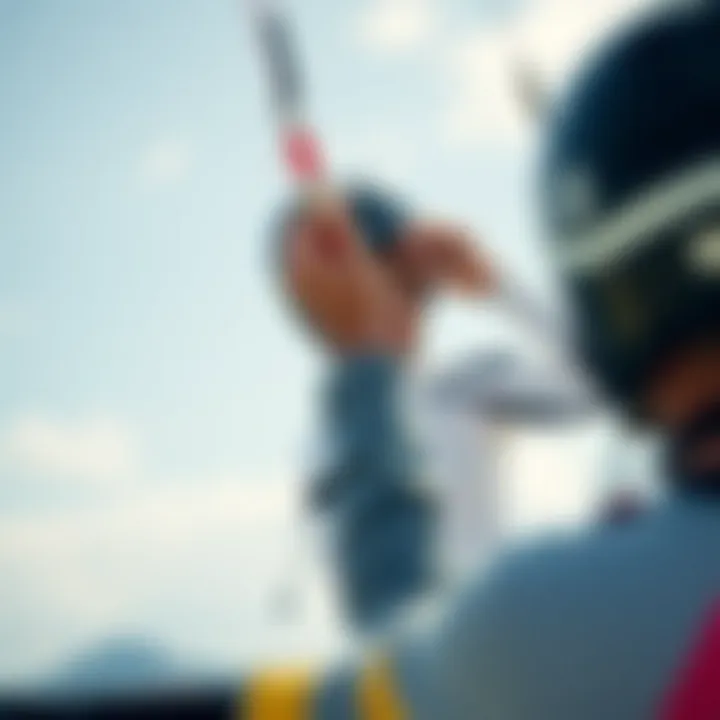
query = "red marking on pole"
x=301 y=152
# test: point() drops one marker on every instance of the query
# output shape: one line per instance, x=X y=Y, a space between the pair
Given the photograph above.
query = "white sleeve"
x=507 y=387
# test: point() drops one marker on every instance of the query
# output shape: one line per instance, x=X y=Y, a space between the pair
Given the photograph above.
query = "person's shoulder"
x=564 y=556
x=545 y=600
x=556 y=577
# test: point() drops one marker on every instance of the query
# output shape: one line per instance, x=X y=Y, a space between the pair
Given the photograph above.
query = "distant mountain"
x=120 y=663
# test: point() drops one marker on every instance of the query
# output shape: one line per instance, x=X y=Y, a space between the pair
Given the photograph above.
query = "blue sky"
x=154 y=391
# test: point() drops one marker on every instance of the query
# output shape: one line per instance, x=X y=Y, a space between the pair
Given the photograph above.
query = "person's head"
x=632 y=192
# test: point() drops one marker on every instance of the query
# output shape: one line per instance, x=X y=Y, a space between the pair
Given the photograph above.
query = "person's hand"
x=351 y=299
x=323 y=245
x=442 y=256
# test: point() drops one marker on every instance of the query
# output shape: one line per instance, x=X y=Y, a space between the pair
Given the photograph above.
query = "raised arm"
x=370 y=491
x=383 y=520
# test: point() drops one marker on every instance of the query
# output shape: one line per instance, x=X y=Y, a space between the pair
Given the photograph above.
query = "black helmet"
x=381 y=215
x=631 y=191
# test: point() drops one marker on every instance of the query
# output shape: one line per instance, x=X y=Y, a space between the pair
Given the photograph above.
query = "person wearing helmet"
x=396 y=548
x=606 y=624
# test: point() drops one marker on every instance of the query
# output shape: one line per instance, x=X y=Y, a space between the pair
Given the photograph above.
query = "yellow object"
x=279 y=695
x=378 y=697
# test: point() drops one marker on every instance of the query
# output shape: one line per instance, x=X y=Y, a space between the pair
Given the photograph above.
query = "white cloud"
x=165 y=162
x=546 y=36
x=194 y=566
x=395 y=26
x=95 y=449
x=482 y=106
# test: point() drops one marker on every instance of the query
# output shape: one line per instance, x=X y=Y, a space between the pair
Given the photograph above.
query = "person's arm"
x=383 y=520
x=513 y=388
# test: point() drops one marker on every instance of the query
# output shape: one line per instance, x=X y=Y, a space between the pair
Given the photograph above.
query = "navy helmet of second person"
x=632 y=198
x=632 y=207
